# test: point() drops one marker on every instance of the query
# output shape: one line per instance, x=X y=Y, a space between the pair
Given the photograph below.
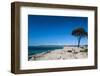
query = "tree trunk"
x=79 y=41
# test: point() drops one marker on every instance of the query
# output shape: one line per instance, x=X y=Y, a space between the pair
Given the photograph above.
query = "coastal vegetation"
x=79 y=33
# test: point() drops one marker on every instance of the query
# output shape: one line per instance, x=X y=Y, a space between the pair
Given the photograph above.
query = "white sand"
x=65 y=53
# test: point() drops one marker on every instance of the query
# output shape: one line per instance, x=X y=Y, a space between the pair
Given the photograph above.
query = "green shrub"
x=84 y=50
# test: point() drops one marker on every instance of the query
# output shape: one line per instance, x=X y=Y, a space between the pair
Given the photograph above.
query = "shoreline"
x=61 y=54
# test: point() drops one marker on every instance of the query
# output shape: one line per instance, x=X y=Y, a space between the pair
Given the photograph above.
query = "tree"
x=79 y=33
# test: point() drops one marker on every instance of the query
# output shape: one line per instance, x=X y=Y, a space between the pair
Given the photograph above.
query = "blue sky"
x=54 y=30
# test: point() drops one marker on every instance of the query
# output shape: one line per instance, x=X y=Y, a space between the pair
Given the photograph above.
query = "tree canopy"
x=79 y=33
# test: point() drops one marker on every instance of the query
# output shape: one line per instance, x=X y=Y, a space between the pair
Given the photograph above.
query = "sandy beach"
x=61 y=54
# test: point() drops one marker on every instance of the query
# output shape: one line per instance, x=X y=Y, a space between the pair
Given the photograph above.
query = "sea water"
x=32 y=50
